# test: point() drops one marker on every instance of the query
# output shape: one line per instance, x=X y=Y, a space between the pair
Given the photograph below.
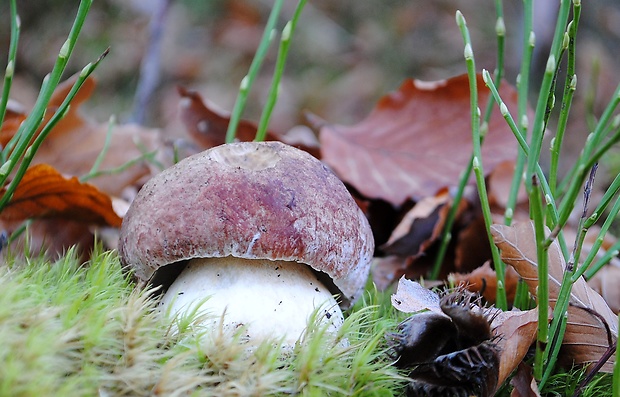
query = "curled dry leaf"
x=44 y=193
x=412 y=297
x=416 y=141
x=589 y=317
x=483 y=280
x=516 y=331
x=420 y=226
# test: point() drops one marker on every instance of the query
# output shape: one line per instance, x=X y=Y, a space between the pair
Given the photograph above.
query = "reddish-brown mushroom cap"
x=249 y=200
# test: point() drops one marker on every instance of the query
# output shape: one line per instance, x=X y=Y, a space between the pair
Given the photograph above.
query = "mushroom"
x=263 y=230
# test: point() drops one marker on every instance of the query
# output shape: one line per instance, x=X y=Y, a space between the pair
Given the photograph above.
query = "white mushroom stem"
x=271 y=298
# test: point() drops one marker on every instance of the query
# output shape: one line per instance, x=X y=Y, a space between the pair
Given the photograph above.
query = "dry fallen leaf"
x=524 y=384
x=516 y=331
x=207 y=126
x=420 y=226
x=586 y=338
x=412 y=297
x=14 y=116
x=606 y=282
x=472 y=248
x=75 y=142
x=416 y=141
x=500 y=184
x=44 y=193
x=483 y=280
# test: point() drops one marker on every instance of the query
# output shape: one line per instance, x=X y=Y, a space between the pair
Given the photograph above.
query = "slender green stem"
x=579 y=171
x=526 y=149
x=285 y=43
x=149 y=156
x=542 y=292
x=29 y=127
x=248 y=80
x=58 y=115
x=501 y=300
x=567 y=98
x=545 y=93
x=558 y=323
x=554 y=348
x=613 y=190
x=10 y=67
x=522 y=296
x=523 y=84
x=611 y=253
x=446 y=236
x=106 y=147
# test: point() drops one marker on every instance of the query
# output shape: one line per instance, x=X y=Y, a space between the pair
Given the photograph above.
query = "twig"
x=150 y=66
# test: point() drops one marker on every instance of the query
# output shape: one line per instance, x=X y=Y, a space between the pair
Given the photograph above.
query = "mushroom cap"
x=251 y=200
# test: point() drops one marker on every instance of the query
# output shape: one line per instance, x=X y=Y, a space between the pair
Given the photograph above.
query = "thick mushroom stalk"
x=267 y=298
x=253 y=201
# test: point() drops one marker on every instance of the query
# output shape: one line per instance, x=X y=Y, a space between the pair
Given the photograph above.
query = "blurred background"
x=344 y=55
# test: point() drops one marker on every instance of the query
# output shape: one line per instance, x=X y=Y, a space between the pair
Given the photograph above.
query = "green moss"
x=81 y=330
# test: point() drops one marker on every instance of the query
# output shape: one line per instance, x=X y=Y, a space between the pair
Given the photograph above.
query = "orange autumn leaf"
x=416 y=141
x=44 y=193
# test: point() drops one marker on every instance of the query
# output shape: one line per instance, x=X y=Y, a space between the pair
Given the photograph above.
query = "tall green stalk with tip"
x=20 y=150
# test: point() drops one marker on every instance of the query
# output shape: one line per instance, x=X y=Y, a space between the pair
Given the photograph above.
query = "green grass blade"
x=20 y=142
x=58 y=115
x=10 y=67
x=501 y=300
x=272 y=98
x=248 y=80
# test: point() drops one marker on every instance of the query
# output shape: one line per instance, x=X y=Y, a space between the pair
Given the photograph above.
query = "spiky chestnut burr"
x=449 y=354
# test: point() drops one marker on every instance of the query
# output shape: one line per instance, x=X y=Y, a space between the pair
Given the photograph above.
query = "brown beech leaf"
x=523 y=383
x=483 y=280
x=606 y=282
x=44 y=193
x=76 y=141
x=416 y=140
x=516 y=331
x=207 y=126
x=420 y=226
x=589 y=316
x=472 y=245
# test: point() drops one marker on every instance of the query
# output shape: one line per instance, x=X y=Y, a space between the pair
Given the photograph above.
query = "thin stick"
x=150 y=66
